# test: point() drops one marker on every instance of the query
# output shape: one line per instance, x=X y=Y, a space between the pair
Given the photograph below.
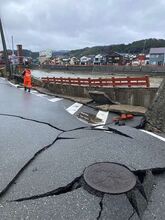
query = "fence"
x=101 y=82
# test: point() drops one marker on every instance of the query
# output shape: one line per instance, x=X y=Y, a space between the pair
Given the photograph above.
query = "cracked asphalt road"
x=44 y=151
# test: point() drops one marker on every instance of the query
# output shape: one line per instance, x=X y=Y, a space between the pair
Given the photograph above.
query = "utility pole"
x=12 y=45
x=5 y=50
x=144 y=46
x=12 y=57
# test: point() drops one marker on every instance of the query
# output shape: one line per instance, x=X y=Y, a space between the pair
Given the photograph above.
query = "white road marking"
x=33 y=91
x=55 y=99
x=40 y=95
x=36 y=93
x=74 y=108
x=12 y=84
x=103 y=116
x=154 y=135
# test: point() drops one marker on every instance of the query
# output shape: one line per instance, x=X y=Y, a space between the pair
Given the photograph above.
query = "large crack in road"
x=76 y=183
x=4 y=191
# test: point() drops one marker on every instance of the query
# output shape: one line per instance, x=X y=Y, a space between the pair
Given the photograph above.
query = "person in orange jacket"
x=27 y=79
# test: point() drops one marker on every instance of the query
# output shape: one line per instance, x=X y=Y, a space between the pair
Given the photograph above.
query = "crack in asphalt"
x=101 y=208
x=157 y=170
x=132 y=215
x=30 y=119
x=75 y=184
x=4 y=191
x=141 y=190
x=119 y=132
x=142 y=181
x=66 y=138
x=133 y=202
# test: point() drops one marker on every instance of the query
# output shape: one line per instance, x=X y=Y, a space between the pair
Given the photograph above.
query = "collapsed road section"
x=52 y=151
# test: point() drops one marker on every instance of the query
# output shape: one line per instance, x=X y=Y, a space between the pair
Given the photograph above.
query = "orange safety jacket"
x=27 y=79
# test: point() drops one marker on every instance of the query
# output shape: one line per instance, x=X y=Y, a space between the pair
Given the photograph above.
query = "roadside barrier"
x=101 y=82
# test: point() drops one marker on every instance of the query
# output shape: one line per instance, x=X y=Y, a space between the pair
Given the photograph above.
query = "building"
x=14 y=59
x=111 y=58
x=140 y=60
x=74 y=61
x=100 y=59
x=157 y=56
x=44 y=56
x=65 y=61
x=56 y=61
x=116 y=58
x=85 y=60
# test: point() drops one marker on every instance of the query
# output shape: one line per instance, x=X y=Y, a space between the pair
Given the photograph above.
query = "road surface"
x=45 y=149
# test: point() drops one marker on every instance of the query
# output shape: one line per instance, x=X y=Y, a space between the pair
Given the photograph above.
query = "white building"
x=45 y=55
x=84 y=60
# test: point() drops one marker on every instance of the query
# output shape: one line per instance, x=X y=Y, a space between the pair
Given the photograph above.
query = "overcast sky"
x=72 y=24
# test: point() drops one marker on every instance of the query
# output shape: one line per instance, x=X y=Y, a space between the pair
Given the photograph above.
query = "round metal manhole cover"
x=108 y=177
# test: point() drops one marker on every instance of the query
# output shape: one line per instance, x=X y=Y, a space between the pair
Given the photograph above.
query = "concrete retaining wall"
x=132 y=96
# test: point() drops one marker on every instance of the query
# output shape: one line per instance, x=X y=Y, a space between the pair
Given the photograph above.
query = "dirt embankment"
x=155 y=115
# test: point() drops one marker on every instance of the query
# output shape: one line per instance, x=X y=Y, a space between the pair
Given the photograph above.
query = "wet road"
x=45 y=149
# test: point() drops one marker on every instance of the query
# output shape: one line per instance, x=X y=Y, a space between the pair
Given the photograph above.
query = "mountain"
x=29 y=53
x=60 y=52
x=136 y=47
x=141 y=46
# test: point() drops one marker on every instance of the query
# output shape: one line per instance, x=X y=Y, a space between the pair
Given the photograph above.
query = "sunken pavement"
x=54 y=166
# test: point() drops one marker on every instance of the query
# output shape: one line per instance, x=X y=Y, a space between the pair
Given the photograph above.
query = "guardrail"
x=101 y=82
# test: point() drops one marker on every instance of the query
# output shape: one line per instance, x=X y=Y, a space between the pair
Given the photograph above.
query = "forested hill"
x=141 y=46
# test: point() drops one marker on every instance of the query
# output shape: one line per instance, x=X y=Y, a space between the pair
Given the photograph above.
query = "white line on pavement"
x=40 y=95
x=154 y=135
x=33 y=91
x=74 y=108
x=15 y=85
x=103 y=116
x=55 y=99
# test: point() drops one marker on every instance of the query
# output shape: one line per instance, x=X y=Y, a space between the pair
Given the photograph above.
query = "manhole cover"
x=109 y=177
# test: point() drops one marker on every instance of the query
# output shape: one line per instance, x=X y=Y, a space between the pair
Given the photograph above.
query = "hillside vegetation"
x=141 y=46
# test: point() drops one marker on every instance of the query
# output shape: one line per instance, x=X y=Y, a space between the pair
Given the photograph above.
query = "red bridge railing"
x=101 y=82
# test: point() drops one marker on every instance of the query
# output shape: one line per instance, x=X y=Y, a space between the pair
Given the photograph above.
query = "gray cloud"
x=71 y=24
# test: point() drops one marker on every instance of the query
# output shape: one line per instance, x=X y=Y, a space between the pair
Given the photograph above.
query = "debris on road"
x=124 y=109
